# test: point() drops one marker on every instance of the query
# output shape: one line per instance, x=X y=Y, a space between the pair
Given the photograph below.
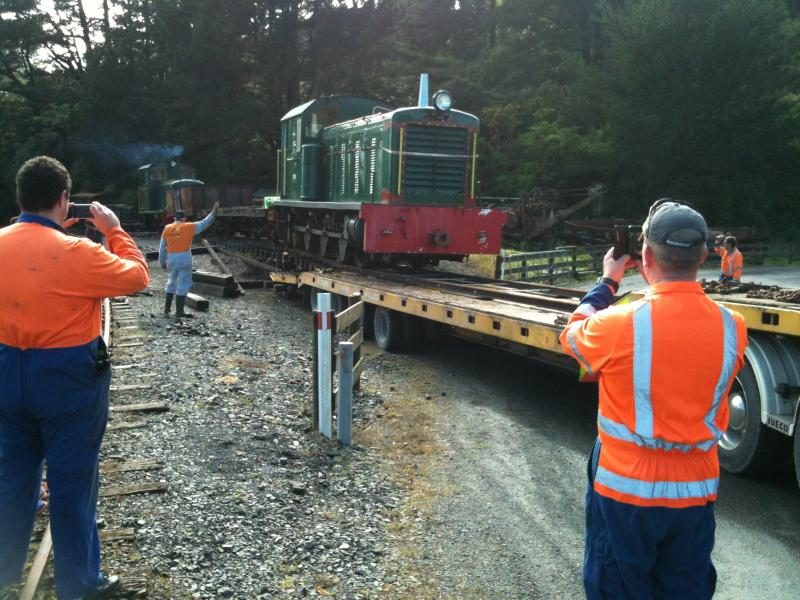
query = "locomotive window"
x=298 y=140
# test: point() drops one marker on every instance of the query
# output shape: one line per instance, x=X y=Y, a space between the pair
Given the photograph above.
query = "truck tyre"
x=748 y=446
x=388 y=326
x=797 y=450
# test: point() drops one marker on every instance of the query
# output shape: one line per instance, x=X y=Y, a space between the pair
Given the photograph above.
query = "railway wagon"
x=362 y=183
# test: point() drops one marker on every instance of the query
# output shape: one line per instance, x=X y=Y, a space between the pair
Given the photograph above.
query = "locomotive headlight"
x=442 y=100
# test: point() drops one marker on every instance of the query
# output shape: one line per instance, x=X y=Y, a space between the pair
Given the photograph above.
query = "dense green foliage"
x=694 y=99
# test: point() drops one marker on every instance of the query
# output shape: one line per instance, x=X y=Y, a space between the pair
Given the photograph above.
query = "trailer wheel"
x=797 y=450
x=748 y=446
x=389 y=329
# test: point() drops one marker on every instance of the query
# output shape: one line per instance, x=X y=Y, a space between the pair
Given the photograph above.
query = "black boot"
x=168 y=304
x=180 y=302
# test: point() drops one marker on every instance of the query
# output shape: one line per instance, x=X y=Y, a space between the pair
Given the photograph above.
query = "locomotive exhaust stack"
x=423 y=97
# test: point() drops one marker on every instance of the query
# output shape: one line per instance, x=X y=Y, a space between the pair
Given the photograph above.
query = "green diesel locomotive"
x=362 y=182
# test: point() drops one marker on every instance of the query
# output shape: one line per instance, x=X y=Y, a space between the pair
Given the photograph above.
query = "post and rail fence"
x=575 y=262
x=343 y=331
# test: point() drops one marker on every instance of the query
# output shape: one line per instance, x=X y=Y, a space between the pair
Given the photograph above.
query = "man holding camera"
x=732 y=259
x=55 y=374
x=175 y=255
x=664 y=364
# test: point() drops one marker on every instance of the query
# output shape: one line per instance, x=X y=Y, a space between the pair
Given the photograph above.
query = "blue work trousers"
x=179 y=273
x=53 y=408
x=644 y=553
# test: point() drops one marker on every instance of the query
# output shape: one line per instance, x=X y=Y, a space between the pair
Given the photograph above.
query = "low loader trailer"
x=527 y=319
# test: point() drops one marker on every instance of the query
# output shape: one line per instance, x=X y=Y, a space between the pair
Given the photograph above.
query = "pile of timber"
x=219 y=285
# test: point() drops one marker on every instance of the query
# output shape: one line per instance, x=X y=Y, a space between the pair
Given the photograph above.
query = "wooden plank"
x=114 y=466
x=219 y=279
x=126 y=425
x=138 y=488
x=116 y=535
x=216 y=291
x=349 y=316
x=357 y=339
x=151 y=406
x=358 y=368
x=196 y=301
x=128 y=345
x=131 y=386
x=125 y=367
x=35 y=574
x=222 y=265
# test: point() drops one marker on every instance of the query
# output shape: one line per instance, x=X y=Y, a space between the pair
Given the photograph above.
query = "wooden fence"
x=551 y=265
x=575 y=262
x=757 y=253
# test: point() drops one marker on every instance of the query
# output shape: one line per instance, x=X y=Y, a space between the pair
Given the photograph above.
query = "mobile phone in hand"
x=79 y=211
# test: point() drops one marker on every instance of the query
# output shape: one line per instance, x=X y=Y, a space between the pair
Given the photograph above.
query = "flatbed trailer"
x=528 y=318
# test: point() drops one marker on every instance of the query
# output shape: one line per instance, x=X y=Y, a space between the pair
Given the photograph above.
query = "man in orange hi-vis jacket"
x=55 y=374
x=175 y=254
x=732 y=259
x=664 y=365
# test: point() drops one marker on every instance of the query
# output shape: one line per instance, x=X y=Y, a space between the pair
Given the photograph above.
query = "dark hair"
x=730 y=240
x=677 y=260
x=40 y=182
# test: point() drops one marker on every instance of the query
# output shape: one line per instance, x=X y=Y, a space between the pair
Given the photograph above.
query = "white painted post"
x=324 y=318
x=344 y=410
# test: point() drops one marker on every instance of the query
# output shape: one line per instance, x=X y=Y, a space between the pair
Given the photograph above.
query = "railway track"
x=123 y=336
x=558 y=299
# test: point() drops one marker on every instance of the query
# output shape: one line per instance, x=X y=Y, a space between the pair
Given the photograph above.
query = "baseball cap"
x=179 y=214
x=675 y=224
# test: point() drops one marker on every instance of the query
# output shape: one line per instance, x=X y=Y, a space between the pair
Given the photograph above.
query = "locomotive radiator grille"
x=435 y=163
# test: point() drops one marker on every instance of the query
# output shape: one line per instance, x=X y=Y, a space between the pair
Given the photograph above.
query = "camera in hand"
x=627 y=240
x=79 y=211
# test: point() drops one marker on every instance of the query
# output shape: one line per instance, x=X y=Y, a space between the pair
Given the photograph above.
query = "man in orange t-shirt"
x=55 y=374
x=732 y=260
x=175 y=255
x=664 y=365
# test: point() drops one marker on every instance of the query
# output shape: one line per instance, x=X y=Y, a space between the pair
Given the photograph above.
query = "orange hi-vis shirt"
x=179 y=237
x=664 y=364
x=52 y=283
x=732 y=262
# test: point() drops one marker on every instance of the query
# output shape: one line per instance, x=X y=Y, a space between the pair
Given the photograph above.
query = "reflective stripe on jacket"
x=732 y=262
x=664 y=364
x=53 y=283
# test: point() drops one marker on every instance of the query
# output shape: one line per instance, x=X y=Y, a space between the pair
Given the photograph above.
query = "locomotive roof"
x=350 y=107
